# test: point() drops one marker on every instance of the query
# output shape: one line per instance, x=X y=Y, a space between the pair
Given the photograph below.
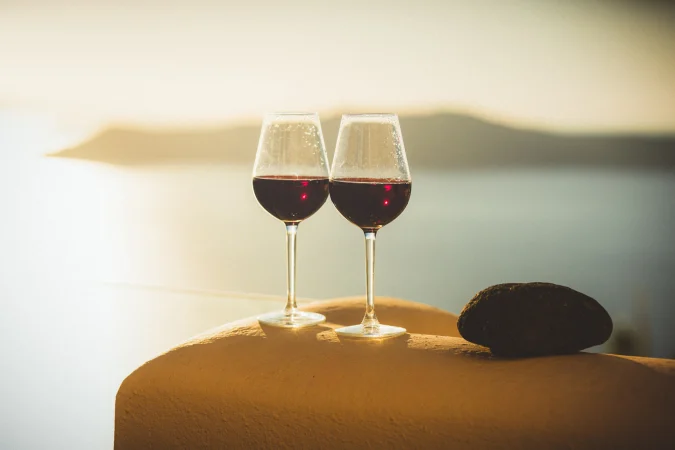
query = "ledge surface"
x=243 y=386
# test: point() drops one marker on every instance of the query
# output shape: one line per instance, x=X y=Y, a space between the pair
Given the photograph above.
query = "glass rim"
x=291 y=113
x=370 y=115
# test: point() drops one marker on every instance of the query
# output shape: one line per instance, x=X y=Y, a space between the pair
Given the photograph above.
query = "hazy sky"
x=577 y=65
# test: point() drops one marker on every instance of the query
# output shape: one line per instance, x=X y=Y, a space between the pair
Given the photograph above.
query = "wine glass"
x=290 y=181
x=370 y=185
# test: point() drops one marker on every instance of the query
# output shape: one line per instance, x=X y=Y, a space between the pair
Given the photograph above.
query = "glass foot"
x=298 y=319
x=377 y=332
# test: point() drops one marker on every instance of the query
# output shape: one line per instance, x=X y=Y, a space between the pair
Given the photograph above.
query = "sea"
x=103 y=267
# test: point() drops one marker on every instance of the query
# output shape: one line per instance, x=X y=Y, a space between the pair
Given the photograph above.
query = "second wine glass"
x=290 y=181
x=370 y=185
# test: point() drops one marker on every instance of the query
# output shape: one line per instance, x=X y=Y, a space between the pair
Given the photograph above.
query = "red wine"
x=291 y=198
x=370 y=203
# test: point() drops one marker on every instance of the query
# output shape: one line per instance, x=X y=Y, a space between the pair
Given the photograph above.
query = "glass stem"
x=291 y=232
x=370 y=321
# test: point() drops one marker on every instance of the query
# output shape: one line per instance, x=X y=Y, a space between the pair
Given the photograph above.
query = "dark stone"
x=531 y=319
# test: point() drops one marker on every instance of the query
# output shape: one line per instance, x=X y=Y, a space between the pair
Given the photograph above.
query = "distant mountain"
x=442 y=141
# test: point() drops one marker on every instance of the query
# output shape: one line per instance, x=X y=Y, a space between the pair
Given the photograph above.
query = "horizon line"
x=244 y=120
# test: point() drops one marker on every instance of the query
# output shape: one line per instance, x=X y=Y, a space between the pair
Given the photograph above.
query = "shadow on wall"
x=633 y=338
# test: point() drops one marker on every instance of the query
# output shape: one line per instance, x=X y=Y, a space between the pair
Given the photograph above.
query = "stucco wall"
x=242 y=386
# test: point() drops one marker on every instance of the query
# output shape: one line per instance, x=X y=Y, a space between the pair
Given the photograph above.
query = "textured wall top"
x=242 y=386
